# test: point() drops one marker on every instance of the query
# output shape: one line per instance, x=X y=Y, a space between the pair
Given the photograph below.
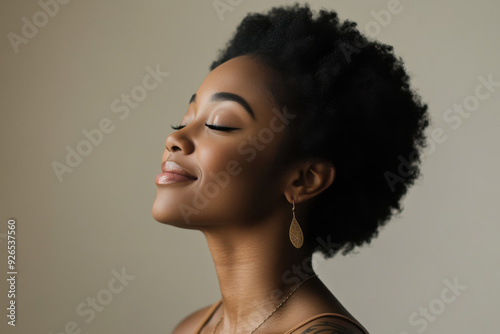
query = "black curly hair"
x=355 y=109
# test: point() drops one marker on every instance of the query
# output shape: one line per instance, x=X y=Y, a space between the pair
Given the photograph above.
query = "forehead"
x=243 y=76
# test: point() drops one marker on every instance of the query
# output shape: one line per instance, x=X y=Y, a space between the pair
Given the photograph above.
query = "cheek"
x=225 y=175
x=234 y=186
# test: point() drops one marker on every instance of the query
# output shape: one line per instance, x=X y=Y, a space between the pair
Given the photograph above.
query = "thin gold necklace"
x=277 y=307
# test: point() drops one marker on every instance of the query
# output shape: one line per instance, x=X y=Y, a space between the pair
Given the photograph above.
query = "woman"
x=303 y=138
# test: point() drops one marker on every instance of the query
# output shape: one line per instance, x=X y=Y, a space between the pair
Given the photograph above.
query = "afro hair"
x=355 y=109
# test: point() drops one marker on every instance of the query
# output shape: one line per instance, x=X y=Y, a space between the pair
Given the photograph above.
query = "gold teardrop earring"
x=295 y=233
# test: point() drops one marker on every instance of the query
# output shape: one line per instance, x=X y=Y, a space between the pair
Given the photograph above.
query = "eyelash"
x=210 y=126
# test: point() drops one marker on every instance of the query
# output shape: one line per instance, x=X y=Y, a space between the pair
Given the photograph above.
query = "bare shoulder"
x=329 y=325
x=190 y=323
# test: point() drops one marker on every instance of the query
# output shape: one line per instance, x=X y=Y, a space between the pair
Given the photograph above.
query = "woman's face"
x=221 y=166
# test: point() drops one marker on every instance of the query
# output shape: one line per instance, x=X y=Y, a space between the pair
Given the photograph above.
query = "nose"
x=179 y=142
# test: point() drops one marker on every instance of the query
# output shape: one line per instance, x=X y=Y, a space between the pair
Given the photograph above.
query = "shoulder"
x=191 y=323
x=329 y=325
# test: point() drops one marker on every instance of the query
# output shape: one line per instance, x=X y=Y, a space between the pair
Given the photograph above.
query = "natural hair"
x=355 y=109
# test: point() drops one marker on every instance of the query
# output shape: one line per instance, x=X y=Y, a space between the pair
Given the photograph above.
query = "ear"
x=308 y=179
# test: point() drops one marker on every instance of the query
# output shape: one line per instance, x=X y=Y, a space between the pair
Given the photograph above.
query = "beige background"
x=72 y=234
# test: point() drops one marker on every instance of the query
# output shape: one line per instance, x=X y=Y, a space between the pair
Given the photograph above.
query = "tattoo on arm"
x=327 y=327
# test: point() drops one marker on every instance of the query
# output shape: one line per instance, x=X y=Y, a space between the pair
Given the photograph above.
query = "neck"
x=257 y=268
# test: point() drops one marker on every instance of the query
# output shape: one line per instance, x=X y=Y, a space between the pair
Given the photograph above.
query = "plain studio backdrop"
x=89 y=256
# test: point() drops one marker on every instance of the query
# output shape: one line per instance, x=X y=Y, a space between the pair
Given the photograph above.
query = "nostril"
x=176 y=143
x=172 y=148
x=175 y=148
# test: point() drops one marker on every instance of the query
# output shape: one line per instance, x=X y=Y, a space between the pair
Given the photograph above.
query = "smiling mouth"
x=168 y=178
x=173 y=173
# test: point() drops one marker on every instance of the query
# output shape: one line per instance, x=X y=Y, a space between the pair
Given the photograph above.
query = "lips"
x=173 y=173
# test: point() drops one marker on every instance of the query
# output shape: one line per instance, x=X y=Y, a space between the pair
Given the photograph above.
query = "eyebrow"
x=225 y=96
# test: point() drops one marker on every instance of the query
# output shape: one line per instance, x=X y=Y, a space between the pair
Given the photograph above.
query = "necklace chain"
x=277 y=307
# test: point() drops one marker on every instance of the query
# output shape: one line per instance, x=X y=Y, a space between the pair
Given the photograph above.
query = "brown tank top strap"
x=208 y=315
x=343 y=317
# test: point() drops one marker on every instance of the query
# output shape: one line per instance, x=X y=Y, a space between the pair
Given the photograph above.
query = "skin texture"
x=246 y=220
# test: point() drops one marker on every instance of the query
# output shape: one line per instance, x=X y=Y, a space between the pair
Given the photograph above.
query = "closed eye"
x=210 y=126
x=220 y=127
x=177 y=127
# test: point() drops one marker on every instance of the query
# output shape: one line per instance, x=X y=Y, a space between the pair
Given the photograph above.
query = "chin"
x=168 y=213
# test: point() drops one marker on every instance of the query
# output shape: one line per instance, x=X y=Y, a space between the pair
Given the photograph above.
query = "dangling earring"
x=295 y=233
